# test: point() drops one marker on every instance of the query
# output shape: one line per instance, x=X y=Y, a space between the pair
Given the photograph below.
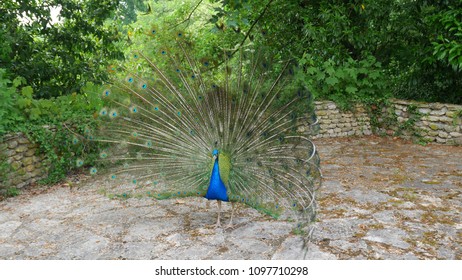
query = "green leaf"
x=374 y=75
x=332 y=81
x=24 y=102
x=320 y=76
x=35 y=113
x=351 y=89
x=330 y=70
x=27 y=92
x=340 y=74
x=17 y=82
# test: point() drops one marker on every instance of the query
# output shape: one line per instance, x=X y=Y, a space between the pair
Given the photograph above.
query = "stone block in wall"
x=434 y=126
x=432 y=133
x=15 y=165
x=439 y=112
x=448 y=128
x=436 y=106
x=321 y=113
x=331 y=106
x=18 y=157
x=30 y=168
x=445 y=119
x=23 y=140
x=28 y=160
x=441 y=140
x=443 y=134
x=457 y=141
x=21 y=149
x=30 y=152
x=36 y=159
x=424 y=111
x=332 y=125
x=401 y=119
x=12 y=144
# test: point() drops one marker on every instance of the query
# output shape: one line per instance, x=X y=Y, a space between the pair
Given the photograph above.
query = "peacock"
x=234 y=129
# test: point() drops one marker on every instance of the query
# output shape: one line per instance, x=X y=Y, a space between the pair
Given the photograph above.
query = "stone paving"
x=382 y=198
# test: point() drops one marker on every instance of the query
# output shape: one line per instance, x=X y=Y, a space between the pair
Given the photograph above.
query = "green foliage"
x=51 y=123
x=58 y=58
x=11 y=192
x=10 y=114
x=457 y=118
x=384 y=120
x=61 y=154
x=345 y=83
x=409 y=125
x=448 y=46
x=416 y=42
x=419 y=53
x=4 y=168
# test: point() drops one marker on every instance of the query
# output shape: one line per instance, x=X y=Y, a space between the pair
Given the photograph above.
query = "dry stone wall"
x=336 y=123
x=20 y=163
x=431 y=122
x=434 y=122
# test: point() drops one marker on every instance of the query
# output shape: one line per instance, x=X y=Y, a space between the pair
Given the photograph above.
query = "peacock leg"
x=219 y=212
x=230 y=224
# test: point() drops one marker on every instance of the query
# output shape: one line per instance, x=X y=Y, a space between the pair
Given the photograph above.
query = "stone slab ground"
x=382 y=198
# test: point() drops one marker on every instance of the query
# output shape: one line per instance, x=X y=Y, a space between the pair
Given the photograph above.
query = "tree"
x=58 y=58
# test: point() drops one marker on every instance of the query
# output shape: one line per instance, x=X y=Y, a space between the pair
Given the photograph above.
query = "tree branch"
x=260 y=16
x=190 y=14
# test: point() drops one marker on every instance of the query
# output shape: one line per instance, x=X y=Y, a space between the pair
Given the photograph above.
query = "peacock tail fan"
x=164 y=119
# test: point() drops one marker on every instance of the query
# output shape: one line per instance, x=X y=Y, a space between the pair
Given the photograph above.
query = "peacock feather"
x=235 y=129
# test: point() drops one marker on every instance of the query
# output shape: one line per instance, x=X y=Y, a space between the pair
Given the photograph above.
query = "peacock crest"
x=172 y=118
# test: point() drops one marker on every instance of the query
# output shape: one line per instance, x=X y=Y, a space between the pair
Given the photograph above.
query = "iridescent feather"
x=164 y=124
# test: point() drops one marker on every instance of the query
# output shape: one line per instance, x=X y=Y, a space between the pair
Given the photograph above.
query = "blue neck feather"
x=217 y=189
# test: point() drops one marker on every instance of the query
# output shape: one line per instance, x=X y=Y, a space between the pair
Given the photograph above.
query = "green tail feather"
x=164 y=119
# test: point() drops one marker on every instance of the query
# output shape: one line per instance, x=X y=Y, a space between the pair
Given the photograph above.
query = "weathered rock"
x=393 y=237
x=21 y=149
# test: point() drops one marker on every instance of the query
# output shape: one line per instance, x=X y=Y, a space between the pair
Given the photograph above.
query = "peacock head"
x=215 y=154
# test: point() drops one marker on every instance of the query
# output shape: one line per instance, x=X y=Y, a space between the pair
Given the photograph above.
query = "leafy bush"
x=10 y=115
x=51 y=123
x=346 y=83
x=448 y=45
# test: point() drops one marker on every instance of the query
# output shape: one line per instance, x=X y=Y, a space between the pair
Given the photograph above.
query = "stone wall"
x=20 y=163
x=433 y=122
x=430 y=122
x=336 y=123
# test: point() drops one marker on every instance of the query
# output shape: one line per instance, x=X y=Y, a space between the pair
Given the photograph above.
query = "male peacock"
x=231 y=131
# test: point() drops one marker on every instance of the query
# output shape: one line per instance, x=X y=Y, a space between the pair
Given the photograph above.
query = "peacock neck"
x=217 y=189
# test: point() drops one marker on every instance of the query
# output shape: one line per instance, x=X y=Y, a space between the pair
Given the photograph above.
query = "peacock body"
x=231 y=131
